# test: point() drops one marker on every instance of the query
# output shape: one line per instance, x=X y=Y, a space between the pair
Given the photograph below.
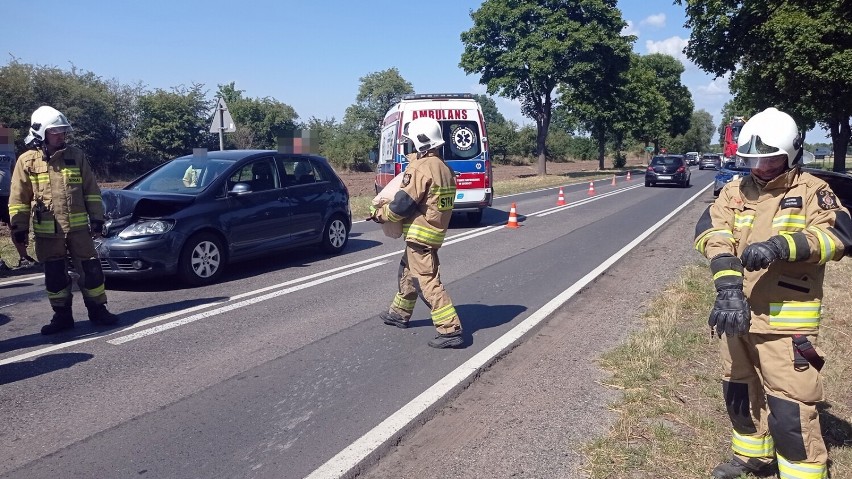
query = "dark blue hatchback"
x=195 y=214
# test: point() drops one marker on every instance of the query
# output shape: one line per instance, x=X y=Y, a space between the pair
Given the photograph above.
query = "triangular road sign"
x=222 y=121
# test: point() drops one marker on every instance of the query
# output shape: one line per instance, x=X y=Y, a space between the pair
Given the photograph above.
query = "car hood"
x=122 y=207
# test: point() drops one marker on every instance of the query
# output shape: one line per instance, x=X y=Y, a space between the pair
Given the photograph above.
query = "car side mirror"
x=240 y=189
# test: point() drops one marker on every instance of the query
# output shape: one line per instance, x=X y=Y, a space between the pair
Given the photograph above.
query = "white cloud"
x=716 y=87
x=658 y=20
x=630 y=29
x=671 y=46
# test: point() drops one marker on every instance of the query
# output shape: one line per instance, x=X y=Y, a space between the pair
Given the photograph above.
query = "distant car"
x=668 y=169
x=728 y=172
x=712 y=161
x=840 y=183
x=193 y=215
x=692 y=158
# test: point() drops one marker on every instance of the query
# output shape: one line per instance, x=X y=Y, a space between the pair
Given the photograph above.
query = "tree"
x=489 y=110
x=668 y=71
x=524 y=49
x=259 y=121
x=700 y=132
x=795 y=55
x=172 y=123
x=642 y=111
x=378 y=92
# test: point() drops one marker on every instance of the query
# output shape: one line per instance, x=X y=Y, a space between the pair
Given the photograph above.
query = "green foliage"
x=668 y=71
x=489 y=111
x=377 y=93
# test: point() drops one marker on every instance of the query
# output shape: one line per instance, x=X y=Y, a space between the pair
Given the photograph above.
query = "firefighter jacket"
x=424 y=202
x=785 y=298
x=59 y=193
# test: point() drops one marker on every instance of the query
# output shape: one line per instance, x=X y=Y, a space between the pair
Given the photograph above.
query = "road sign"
x=222 y=121
x=649 y=149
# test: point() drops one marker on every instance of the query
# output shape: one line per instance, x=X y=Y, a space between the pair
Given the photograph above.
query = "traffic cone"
x=591 y=188
x=628 y=175
x=513 y=218
x=613 y=180
x=560 y=200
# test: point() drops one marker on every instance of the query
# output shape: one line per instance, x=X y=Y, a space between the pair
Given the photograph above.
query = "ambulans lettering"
x=440 y=114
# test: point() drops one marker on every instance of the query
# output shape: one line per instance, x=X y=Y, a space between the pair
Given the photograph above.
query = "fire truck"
x=732 y=132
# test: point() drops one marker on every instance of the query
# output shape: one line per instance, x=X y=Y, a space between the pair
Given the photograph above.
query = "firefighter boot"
x=736 y=468
x=393 y=319
x=62 y=320
x=99 y=315
x=449 y=340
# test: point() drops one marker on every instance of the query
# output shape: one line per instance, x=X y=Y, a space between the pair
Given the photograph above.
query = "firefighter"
x=424 y=205
x=768 y=237
x=54 y=187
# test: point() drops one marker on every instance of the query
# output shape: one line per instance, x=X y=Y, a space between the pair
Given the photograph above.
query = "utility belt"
x=804 y=354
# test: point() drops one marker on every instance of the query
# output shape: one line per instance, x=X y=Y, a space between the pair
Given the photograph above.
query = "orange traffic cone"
x=613 y=180
x=591 y=188
x=560 y=200
x=628 y=175
x=513 y=218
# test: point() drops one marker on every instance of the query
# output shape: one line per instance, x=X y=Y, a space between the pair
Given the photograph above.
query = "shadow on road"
x=12 y=372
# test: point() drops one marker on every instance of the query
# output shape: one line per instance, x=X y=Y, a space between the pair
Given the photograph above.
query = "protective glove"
x=758 y=256
x=96 y=228
x=375 y=214
x=731 y=313
x=21 y=237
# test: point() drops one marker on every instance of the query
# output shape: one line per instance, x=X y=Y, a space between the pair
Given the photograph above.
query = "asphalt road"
x=284 y=364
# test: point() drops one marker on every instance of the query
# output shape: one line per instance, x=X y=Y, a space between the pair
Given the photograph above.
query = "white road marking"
x=349 y=458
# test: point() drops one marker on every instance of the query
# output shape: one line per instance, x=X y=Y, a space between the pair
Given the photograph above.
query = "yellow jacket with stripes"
x=59 y=193
x=786 y=297
x=424 y=202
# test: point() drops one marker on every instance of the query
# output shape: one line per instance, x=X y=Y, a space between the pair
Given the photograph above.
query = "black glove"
x=21 y=237
x=758 y=256
x=730 y=314
x=96 y=228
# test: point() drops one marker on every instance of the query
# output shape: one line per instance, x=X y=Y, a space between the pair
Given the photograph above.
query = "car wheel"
x=335 y=235
x=474 y=217
x=202 y=259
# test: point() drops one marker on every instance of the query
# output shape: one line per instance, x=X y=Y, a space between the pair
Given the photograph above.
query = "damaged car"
x=194 y=215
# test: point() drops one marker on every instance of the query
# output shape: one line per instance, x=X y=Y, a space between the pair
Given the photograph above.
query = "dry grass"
x=671 y=419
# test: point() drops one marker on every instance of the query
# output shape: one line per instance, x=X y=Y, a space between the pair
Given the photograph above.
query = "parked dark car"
x=712 y=161
x=195 y=214
x=840 y=183
x=668 y=169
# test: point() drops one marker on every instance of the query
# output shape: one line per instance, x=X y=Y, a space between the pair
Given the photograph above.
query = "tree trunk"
x=840 y=134
x=601 y=147
x=542 y=126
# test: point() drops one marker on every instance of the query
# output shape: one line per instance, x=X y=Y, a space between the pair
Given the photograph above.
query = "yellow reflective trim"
x=402 y=303
x=14 y=209
x=78 y=219
x=446 y=202
x=795 y=314
x=45 y=226
x=94 y=292
x=40 y=178
x=742 y=221
x=726 y=272
x=752 y=446
x=800 y=470
x=827 y=247
x=425 y=234
x=796 y=222
x=60 y=294
x=701 y=242
x=96 y=198
x=444 y=315
x=393 y=218
x=791 y=245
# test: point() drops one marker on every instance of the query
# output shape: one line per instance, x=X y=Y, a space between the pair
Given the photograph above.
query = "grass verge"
x=671 y=421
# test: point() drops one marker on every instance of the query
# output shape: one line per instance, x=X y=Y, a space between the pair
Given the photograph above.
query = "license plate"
x=664 y=177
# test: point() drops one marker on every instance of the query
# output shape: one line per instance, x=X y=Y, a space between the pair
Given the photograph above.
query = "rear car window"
x=668 y=161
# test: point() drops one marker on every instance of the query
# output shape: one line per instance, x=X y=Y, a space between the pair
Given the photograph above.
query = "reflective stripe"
x=65 y=293
x=800 y=470
x=443 y=315
x=14 y=209
x=402 y=303
x=795 y=314
x=94 y=292
x=78 y=219
x=72 y=175
x=796 y=222
x=45 y=226
x=424 y=234
x=726 y=272
x=701 y=242
x=752 y=446
x=743 y=221
x=826 y=245
x=40 y=178
x=791 y=245
x=393 y=218
x=93 y=198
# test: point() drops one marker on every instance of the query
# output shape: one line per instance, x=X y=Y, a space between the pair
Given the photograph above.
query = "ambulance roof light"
x=437 y=96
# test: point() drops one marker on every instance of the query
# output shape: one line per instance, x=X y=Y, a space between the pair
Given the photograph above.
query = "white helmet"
x=43 y=119
x=425 y=133
x=770 y=133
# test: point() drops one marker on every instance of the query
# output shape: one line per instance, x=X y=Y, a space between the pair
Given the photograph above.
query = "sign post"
x=222 y=122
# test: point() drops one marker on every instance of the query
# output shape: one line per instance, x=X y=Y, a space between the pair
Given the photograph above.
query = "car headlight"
x=146 y=228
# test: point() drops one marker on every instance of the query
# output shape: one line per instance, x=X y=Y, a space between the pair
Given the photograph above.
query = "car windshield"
x=668 y=161
x=184 y=175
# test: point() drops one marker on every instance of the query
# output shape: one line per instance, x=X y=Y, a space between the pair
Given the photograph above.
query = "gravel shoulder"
x=532 y=411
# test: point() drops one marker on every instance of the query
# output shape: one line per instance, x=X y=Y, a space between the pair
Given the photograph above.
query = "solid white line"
x=237 y=305
x=349 y=458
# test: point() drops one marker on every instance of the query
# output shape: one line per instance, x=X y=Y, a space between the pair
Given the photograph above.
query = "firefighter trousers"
x=419 y=271
x=772 y=404
x=54 y=254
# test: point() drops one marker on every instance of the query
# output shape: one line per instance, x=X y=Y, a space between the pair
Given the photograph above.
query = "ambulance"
x=465 y=149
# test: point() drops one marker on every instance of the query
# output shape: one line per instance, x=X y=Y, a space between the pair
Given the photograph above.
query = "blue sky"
x=308 y=54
